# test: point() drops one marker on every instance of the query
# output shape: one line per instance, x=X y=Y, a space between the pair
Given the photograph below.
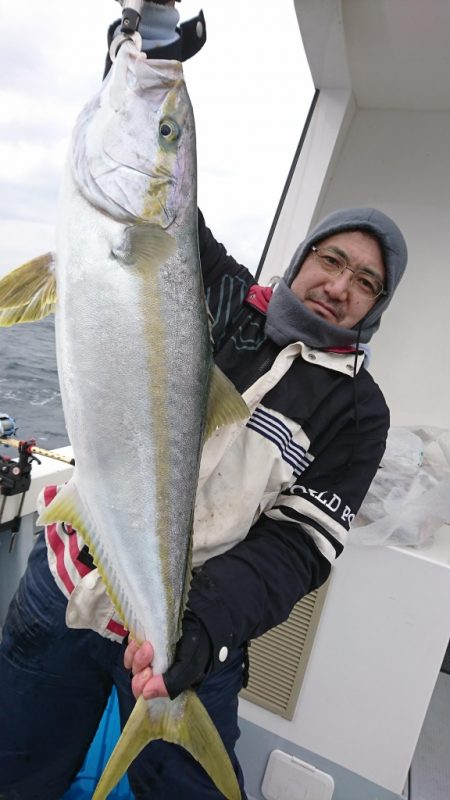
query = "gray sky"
x=250 y=87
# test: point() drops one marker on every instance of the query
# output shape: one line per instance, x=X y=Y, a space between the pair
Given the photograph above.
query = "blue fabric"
x=54 y=687
x=101 y=748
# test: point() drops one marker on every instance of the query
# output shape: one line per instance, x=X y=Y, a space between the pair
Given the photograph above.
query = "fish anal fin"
x=147 y=247
x=68 y=507
x=28 y=293
x=183 y=721
x=225 y=404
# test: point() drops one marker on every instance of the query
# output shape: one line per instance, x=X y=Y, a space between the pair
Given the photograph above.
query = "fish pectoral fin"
x=183 y=721
x=28 y=293
x=225 y=404
x=147 y=247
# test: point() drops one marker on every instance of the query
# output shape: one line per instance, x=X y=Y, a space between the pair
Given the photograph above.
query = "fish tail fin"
x=183 y=721
x=28 y=293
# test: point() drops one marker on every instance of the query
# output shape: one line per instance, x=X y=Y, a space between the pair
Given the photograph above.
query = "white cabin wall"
x=399 y=162
x=396 y=161
x=330 y=122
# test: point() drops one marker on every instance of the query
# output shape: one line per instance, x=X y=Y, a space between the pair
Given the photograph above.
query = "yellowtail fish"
x=139 y=388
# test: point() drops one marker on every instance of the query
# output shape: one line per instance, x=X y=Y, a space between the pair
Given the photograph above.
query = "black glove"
x=193 y=657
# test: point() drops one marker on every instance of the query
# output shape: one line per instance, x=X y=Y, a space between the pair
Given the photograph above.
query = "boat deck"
x=429 y=777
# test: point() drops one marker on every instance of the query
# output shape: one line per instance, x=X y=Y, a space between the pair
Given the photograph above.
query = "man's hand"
x=138 y=659
x=193 y=656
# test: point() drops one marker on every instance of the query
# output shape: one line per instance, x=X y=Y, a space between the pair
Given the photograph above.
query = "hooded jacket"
x=277 y=494
x=304 y=418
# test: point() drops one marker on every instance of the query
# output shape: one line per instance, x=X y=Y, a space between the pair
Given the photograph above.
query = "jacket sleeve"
x=215 y=260
x=325 y=499
x=253 y=587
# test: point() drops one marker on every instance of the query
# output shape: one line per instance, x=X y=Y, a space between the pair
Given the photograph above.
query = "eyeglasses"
x=364 y=281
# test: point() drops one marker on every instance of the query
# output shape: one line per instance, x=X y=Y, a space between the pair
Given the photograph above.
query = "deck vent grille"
x=278 y=659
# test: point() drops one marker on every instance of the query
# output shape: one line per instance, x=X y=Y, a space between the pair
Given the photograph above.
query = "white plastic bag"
x=409 y=498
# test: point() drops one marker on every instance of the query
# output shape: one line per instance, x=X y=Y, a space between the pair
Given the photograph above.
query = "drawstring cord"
x=355 y=372
x=355 y=394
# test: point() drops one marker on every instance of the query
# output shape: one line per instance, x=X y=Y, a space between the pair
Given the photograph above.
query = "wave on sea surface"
x=29 y=387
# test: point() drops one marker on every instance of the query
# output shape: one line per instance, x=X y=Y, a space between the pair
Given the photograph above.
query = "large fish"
x=139 y=388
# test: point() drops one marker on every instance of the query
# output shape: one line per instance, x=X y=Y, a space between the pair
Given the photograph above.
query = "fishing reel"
x=15 y=476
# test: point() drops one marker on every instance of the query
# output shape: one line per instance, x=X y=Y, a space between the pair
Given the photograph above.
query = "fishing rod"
x=8 y=430
x=31 y=447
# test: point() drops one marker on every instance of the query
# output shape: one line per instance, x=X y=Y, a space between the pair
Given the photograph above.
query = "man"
x=275 y=501
x=336 y=297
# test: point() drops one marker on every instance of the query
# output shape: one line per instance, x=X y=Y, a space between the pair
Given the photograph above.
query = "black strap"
x=192 y=37
x=85 y=557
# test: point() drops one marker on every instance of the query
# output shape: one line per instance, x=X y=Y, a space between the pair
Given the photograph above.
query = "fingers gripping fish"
x=134 y=354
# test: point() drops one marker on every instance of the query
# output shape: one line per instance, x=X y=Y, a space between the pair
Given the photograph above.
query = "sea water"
x=29 y=387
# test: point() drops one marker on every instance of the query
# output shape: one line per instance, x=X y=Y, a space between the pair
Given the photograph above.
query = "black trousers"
x=54 y=686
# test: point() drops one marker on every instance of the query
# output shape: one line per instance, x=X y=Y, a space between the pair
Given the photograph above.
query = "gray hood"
x=288 y=319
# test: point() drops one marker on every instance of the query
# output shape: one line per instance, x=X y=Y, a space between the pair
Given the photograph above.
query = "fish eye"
x=169 y=130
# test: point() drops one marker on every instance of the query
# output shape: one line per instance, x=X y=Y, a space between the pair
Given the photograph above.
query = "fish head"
x=133 y=153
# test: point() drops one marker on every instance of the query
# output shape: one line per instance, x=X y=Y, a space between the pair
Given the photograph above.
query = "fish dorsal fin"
x=225 y=404
x=183 y=721
x=147 y=246
x=28 y=293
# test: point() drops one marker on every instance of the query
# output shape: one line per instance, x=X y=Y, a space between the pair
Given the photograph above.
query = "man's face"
x=332 y=296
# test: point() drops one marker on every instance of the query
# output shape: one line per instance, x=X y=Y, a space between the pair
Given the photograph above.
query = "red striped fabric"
x=117 y=628
x=57 y=545
x=64 y=545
